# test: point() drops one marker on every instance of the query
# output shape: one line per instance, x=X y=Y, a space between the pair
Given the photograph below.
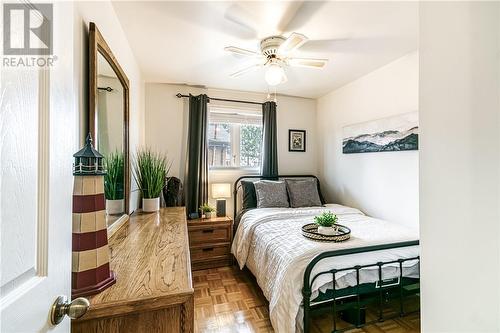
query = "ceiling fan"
x=274 y=55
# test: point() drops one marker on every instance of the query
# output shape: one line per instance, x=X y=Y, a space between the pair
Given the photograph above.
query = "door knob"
x=77 y=308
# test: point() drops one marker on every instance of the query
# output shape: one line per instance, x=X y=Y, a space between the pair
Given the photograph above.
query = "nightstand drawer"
x=209 y=234
x=210 y=242
x=210 y=252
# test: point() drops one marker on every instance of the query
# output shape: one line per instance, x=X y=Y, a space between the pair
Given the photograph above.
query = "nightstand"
x=210 y=242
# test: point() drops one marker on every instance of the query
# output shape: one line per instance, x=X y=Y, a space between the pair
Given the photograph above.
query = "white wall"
x=383 y=185
x=459 y=166
x=166 y=125
x=103 y=15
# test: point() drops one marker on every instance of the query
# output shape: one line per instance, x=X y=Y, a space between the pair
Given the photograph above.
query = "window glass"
x=250 y=145
x=219 y=145
x=234 y=138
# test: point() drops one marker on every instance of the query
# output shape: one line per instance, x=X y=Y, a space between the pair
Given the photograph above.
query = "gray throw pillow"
x=271 y=194
x=303 y=193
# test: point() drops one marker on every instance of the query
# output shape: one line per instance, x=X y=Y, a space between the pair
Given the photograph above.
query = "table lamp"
x=220 y=192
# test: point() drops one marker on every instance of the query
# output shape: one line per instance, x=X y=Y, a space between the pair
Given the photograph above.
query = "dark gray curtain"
x=269 y=141
x=196 y=182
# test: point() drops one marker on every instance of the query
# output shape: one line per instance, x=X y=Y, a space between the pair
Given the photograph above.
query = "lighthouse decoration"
x=90 y=272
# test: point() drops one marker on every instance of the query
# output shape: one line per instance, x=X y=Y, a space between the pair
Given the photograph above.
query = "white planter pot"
x=327 y=231
x=151 y=205
x=208 y=215
x=115 y=207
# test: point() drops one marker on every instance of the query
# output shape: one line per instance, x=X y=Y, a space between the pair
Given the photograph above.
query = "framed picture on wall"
x=296 y=140
x=396 y=133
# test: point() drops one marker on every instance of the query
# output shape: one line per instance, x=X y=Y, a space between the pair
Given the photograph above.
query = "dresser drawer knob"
x=208 y=231
x=208 y=249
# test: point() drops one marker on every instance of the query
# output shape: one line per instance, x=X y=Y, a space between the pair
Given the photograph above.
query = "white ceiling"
x=183 y=42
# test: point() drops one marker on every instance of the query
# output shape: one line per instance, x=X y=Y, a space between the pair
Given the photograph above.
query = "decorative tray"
x=311 y=231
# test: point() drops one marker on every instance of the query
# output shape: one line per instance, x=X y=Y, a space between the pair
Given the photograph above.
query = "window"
x=234 y=138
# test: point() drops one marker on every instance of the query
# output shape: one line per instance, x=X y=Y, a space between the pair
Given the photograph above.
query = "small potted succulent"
x=326 y=223
x=207 y=210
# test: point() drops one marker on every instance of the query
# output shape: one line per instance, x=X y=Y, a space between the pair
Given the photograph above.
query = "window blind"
x=235 y=116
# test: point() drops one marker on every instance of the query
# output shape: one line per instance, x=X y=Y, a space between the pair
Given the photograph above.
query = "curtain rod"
x=108 y=89
x=179 y=95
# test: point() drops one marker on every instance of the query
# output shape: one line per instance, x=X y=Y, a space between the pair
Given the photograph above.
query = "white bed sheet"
x=269 y=242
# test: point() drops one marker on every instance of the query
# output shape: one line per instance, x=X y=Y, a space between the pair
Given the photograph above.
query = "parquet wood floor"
x=227 y=300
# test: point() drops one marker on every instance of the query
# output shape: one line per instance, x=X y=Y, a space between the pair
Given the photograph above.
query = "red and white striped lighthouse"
x=90 y=272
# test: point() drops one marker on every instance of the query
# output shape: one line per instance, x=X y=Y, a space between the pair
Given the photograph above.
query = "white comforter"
x=269 y=241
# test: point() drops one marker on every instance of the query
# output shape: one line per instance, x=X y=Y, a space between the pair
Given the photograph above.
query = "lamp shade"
x=222 y=190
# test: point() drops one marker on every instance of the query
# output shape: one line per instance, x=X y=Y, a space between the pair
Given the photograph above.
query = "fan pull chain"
x=269 y=95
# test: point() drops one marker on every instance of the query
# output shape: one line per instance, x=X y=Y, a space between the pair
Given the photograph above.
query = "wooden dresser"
x=210 y=242
x=153 y=291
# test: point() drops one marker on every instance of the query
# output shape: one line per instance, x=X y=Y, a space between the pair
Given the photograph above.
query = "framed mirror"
x=109 y=125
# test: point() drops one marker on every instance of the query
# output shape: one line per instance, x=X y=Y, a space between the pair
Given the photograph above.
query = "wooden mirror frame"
x=97 y=45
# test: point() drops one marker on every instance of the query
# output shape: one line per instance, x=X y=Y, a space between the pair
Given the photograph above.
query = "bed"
x=300 y=277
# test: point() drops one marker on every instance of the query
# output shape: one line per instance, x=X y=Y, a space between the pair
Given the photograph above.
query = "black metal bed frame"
x=354 y=301
x=351 y=300
x=237 y=186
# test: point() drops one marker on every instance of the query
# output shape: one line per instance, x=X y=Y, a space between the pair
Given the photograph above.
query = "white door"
x=38 y=135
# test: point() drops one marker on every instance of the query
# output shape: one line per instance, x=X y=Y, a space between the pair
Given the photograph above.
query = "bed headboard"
x=237 y=187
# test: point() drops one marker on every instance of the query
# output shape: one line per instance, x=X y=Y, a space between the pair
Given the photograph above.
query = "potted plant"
x=207 y=210
x=326 y=223
x=114 y=183
x=150 y=172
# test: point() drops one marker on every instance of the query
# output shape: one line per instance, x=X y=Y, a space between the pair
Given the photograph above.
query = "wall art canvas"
x=395 y=133
x=296 y=140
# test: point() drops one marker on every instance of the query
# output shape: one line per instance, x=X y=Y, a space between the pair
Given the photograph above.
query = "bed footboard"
x=359 y=295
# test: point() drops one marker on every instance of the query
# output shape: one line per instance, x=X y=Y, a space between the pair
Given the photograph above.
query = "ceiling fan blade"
x=307 y=62
x=350 y=45
x=293 y=42
x=209 y=15
x=241 y=51
x=242 y=18
x=289 y=14
x=245 y=70
x=298 y=14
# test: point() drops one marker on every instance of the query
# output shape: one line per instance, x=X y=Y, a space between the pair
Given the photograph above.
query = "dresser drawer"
x=210 y=252
x=209 y=234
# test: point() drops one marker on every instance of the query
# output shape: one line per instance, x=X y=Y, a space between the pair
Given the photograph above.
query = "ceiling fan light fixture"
x=275 y=55
x=275 y=74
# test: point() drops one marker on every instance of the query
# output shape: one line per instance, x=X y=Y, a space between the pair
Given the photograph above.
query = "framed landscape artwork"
x=296 y=140
x=395 y=133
